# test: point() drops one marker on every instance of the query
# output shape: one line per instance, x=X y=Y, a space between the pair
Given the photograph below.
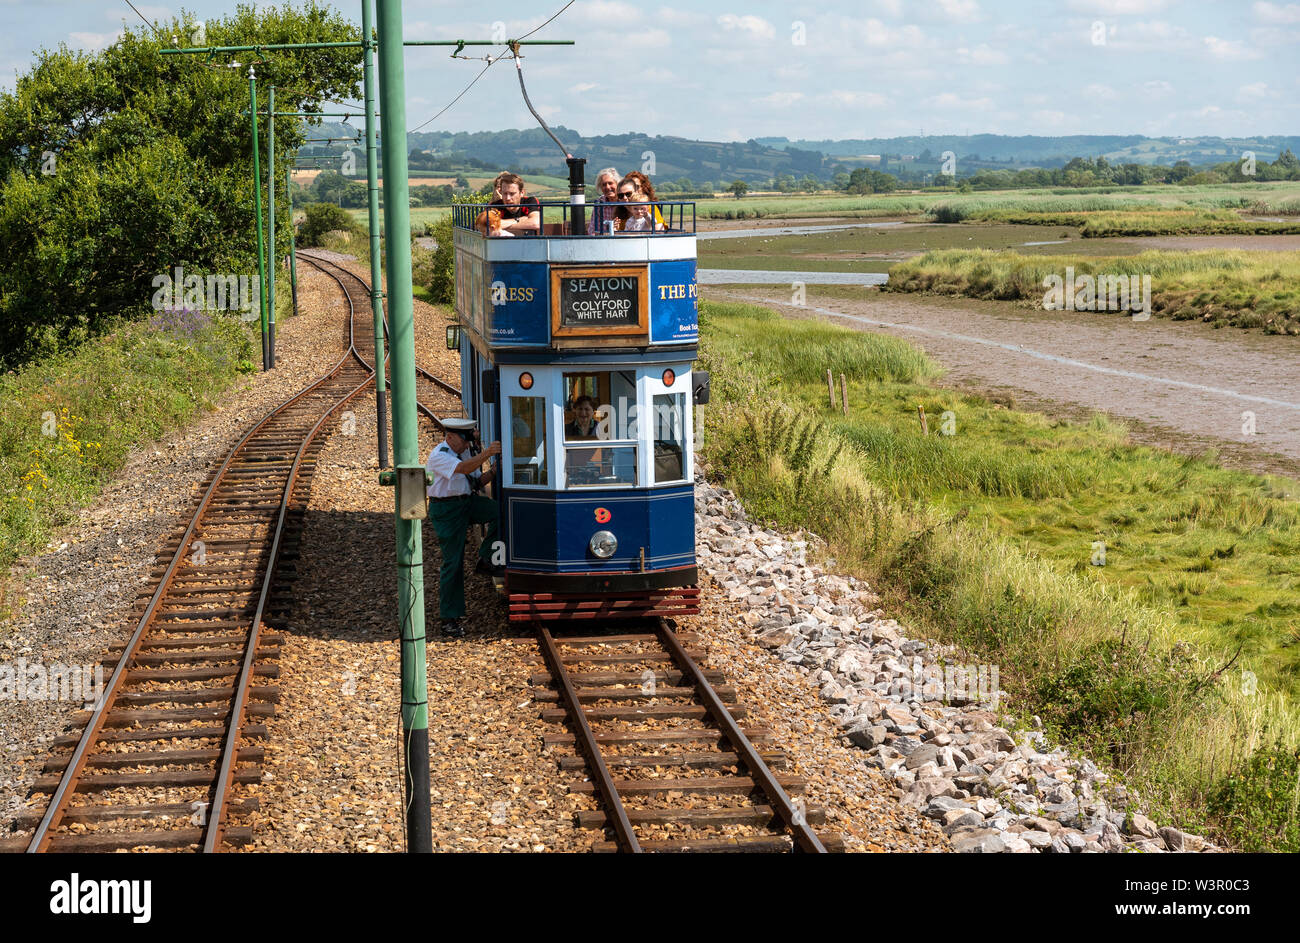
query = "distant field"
x=1254 y=199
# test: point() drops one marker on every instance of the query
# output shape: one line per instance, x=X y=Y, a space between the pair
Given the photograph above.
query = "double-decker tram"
x=577 y=353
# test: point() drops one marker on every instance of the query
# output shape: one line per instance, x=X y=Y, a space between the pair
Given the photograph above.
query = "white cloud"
x=605 y=13
x=583 y=87
x=668 y=16
x=981 y=55
x=93 y=42
x=1255 y=91
x=1228 y=50
x=755 y=26
x=961 y=11
x=951 y=100
x=780 y=99
x=1157 y=88
x=1047 y=118
x=1118 y=7
x=1100 y=92
x=1276 y=13
x=847 y=99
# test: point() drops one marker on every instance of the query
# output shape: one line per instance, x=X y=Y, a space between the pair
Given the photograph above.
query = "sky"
x=729 y=70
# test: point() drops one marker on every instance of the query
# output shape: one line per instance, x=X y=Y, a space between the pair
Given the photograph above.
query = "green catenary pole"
x=257 y=205
x=271 y=254
x=376 y=275
x=406 y=443
x=293 y=251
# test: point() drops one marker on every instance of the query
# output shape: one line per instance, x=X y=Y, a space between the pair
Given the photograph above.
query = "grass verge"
x=70 y=421
x=986 y=538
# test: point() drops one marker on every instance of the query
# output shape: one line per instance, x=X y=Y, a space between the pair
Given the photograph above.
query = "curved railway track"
x=431 y=394
x=174 y=731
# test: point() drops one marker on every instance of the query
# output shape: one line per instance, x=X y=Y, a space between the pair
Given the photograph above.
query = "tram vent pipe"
x=577 y=196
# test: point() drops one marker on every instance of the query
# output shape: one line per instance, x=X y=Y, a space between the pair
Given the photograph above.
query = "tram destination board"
x=593 y=301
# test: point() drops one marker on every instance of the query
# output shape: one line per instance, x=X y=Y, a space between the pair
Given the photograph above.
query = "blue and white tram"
x=577 y=354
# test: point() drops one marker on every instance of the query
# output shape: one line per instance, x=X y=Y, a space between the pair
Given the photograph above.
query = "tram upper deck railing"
x=678 y=217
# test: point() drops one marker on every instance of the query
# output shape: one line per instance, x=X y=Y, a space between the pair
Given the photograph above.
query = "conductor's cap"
x=458 y=425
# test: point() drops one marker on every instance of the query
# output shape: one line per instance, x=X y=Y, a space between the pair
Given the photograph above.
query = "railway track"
x=158 y=760
x=665 y=751
x=433 y=396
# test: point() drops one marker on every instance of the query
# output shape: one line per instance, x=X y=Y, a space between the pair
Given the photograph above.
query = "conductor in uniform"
x=454 y=505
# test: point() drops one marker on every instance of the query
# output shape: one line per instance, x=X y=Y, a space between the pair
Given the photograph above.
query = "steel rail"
x=229 y=753
x=420 y=371
x=58 y=803
x=805 y=838
x=587 y=737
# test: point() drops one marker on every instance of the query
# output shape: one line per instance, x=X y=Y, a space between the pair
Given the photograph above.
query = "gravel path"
x=76 y=598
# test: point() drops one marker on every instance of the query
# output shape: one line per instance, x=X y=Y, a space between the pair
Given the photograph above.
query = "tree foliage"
x=121 y=165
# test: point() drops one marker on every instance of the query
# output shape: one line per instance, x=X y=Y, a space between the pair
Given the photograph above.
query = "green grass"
x=70 y=421
x=987 y=537
x=1222 y=286
x=991 y=204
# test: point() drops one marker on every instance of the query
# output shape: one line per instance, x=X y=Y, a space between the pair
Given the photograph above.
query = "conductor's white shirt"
x=442 y=468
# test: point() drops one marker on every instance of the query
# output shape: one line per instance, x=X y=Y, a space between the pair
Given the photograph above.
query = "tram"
x=577 y=353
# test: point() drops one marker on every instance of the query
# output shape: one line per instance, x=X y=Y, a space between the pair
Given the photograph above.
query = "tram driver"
x=455 y=505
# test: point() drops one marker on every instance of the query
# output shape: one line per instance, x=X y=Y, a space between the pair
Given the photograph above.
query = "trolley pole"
x=270 y=222
x=293 y=251
x=406 y=443
x=257 y=205
x=376 y=274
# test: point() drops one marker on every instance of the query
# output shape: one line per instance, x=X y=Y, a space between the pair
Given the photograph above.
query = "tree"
x=738 y=187
x=322 y=218
x=152 y=169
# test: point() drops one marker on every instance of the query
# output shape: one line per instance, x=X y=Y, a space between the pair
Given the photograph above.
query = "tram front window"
x=600 y=429
x=528 y=437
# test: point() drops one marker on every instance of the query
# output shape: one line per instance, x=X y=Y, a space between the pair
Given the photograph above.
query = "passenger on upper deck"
x=643 y=185
x=607 y=190
x=520 y=215
x=639 y=217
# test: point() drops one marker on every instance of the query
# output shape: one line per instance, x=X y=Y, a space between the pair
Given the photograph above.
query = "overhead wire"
x=146 y=22
x=490 y=63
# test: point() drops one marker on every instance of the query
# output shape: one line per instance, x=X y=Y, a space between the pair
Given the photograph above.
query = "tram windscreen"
x=669 y=427
x=600 y=411
x=528 y=440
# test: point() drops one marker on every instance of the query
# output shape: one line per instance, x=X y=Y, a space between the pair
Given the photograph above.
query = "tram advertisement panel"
x=516 y=296
x=604 y=300
x=674 y=302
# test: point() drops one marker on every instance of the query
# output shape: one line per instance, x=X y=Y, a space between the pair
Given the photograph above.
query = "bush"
x=1258 y=803
x=439 y=275
x=323 y=218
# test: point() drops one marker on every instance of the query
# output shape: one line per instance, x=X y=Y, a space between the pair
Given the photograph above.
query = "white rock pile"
x=923 y=715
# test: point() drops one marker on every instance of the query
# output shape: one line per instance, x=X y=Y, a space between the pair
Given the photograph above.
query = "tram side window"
x=528 y=432
x=600 y=407
x=670 y=437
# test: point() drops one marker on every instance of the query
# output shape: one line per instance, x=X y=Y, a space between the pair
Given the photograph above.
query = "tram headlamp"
x=603 y=544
